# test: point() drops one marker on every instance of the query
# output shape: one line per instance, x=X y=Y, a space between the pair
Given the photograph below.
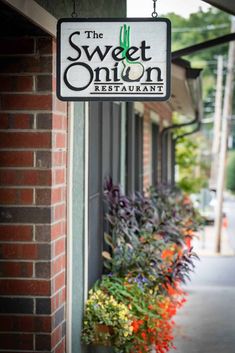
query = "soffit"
x=181 y=95
x=24 y=17
x=225 y=5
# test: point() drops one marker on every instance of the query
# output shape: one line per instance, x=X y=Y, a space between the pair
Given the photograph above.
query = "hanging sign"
x=113 y=59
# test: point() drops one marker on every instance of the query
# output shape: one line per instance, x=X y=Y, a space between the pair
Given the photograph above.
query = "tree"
x=193 y=172
x=199 y=27
x=230 y=173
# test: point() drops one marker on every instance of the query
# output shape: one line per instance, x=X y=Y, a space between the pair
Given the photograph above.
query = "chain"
x=74 y=13
x=154 y=13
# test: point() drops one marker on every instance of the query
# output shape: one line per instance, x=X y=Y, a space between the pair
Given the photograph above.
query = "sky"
x=144 y=8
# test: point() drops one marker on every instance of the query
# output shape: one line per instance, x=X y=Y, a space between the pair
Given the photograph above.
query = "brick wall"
x=33 y=126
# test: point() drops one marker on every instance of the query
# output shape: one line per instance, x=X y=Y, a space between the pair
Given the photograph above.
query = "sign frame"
x=115 y=98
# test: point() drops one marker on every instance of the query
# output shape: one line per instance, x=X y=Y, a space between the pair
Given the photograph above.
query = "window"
x=167 y=162
x=134 y=158
x=138 y=153
x=104 y=161
x=155 y=154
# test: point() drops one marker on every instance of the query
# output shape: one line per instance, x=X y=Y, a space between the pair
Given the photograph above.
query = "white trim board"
x=35 y=14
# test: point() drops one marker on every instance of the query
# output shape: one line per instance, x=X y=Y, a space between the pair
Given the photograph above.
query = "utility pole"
x=217 y=122
x=227 y=112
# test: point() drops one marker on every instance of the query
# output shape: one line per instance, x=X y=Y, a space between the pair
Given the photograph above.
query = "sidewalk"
x=206 y=324
x=205 y=243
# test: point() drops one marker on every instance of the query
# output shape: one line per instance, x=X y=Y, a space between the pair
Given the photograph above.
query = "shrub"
x=230 y=172
x=149 y=255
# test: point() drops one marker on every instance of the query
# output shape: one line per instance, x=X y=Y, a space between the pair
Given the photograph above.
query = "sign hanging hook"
x=154 y=13
x=74 y=13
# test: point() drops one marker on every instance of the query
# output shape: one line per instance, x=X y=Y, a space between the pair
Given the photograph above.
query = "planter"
x=102 y=335
x=101 y=349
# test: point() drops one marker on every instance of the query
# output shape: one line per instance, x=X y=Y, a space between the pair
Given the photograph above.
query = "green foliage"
x=160 y=220
x=149 y=254
x=188 y=152
x=106 y=320
x=199 y=27
x=230 y=175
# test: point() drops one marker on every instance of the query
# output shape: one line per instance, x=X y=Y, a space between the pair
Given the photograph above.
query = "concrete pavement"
x=206 y=324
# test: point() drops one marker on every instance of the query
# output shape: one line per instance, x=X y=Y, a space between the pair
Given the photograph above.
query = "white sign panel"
x=113 y=59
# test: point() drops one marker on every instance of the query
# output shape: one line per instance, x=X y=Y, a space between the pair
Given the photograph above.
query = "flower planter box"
x=101 y=349
x=102 y=330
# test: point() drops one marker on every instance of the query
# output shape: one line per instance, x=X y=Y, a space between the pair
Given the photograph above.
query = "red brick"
x=16 y=196
x=56 y=230
x=56 y=195
x=25 y=287
x=43 y=196
x=54 y=82
x=16 y=83
x=43 y=233
x=58 y=265
x=19 y=351
x=16 y=159
x=56 y=336
x=59 y=246
x=3 y=121
x=25 y=177
x=44 y=121
x=61 y=347
x=19 y=251
x=25 y=139
x=44 y=45
x=60 y=140
x=59 y=176
x=16 y=269
x=63 y=295
x=16 y=341
x=59 y=122
x=43 y=159
x=54 y=46
x=59 y=212
x=16 y=121
x=17 y=46
x=20 y=64
x=26 y=102
x=25 y=323
x=59 y=281
x=56 y=301
x=16 y=233
x=8 y=196
x=59 y=106
x=43 y=342
x=58 y=158
x=44 y=83
x=43 y=269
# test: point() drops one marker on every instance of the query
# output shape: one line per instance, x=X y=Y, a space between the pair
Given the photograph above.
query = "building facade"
x=54 y=159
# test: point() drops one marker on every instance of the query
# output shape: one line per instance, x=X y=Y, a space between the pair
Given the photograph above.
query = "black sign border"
x=120 y=98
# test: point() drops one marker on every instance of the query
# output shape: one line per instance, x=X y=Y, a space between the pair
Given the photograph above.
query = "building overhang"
x=29 y=10
x=224 y=5
x=186 y=91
